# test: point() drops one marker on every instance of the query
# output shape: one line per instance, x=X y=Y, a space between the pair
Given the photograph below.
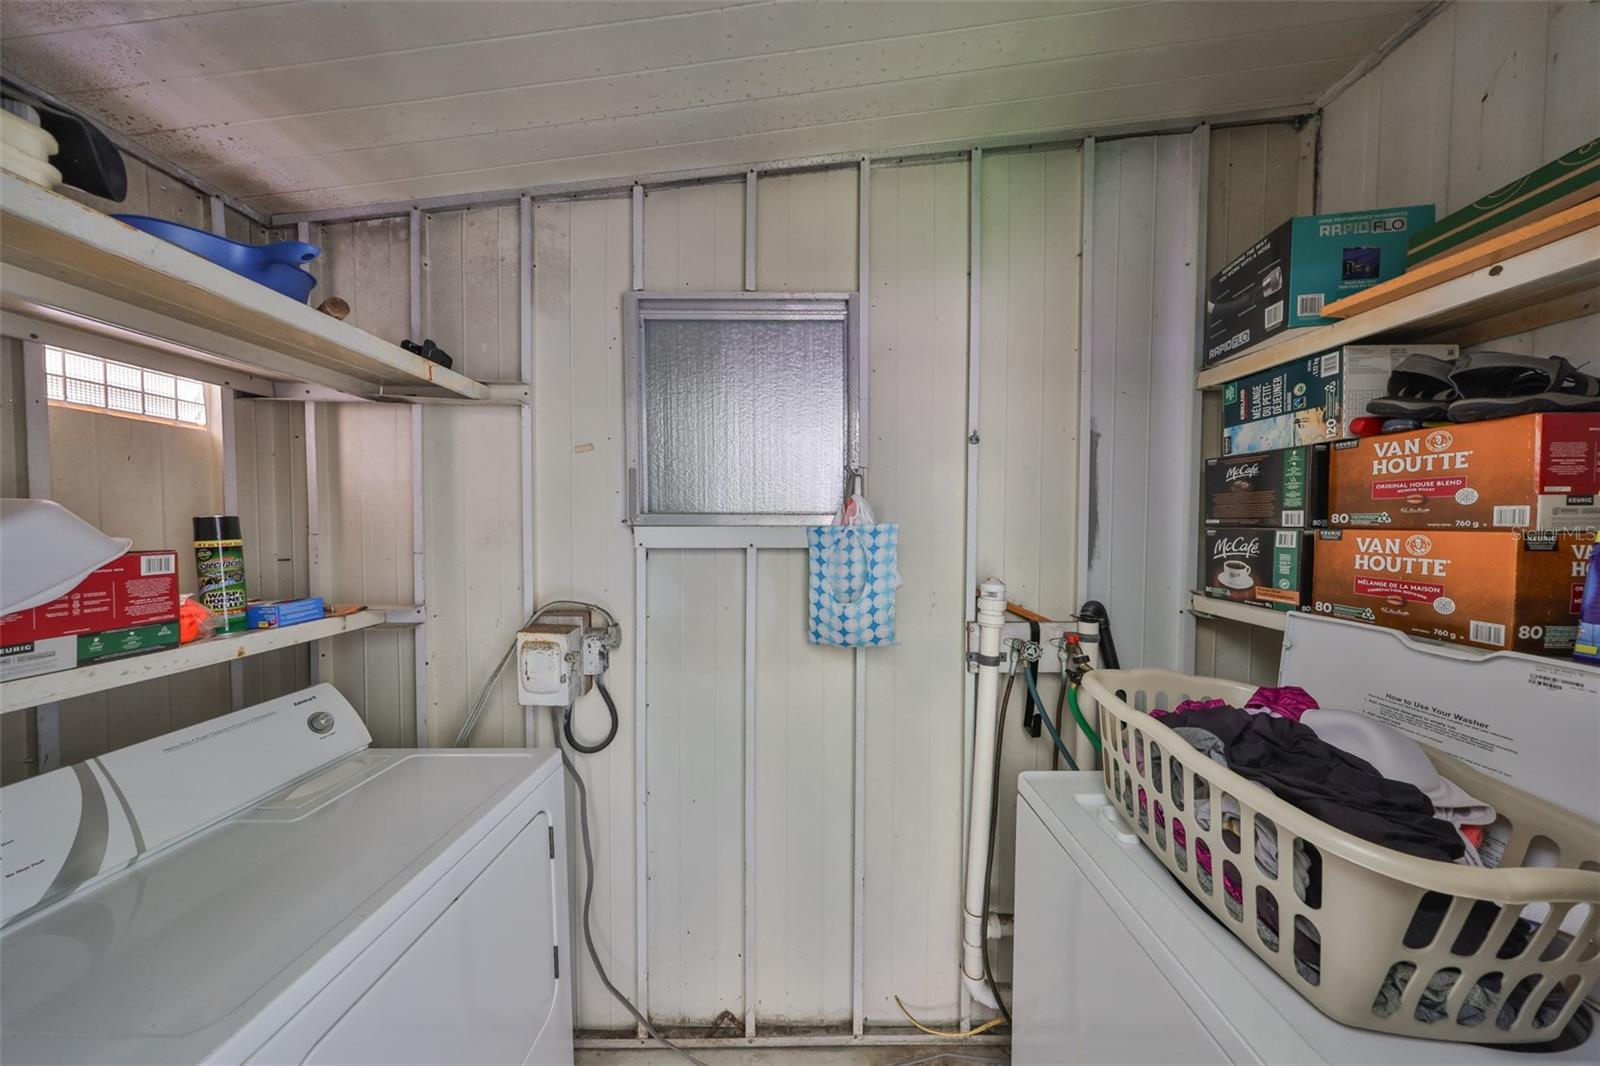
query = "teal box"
x=1285 y=279
x=274 y=614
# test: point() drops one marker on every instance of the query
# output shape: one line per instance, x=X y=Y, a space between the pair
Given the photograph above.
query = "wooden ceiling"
x=313 y=105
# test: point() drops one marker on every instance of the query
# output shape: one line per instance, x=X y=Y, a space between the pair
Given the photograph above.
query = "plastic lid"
x=217 y=527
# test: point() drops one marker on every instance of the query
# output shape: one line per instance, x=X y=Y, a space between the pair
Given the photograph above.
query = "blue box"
x=1284 y=279
x=275 y=614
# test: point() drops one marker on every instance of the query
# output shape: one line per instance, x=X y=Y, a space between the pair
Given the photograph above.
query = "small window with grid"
x=74 y=379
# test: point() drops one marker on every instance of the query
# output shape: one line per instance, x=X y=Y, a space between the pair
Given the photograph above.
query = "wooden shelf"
x=72 y=265
x=1204 y=606
x=1550 y=283
x=98 y=677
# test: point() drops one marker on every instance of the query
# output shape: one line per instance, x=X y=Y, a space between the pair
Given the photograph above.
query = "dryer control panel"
x=67 y=829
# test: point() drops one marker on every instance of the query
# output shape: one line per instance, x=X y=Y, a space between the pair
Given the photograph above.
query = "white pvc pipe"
x=991 y=620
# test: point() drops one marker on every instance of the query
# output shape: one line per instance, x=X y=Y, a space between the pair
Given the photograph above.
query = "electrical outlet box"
x=549 y=670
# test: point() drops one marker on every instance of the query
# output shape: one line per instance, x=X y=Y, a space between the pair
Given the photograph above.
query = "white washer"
x=351 y=905
x=1114 y=963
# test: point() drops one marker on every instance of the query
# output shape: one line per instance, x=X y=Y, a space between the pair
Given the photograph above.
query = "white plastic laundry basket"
x=1384 y=942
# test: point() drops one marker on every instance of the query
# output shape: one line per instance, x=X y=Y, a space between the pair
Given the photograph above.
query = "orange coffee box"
x=1539 y=471
x=1505 y=590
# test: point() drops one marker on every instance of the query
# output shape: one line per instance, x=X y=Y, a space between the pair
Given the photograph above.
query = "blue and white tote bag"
x=853 y=576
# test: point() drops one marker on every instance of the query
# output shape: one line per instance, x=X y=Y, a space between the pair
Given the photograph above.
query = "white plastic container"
x=1348 y=950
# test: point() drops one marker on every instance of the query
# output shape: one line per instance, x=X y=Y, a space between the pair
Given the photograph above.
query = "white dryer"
x=265 y=888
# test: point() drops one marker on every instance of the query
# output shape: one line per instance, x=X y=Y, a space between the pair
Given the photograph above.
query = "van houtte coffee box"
x=1502 y=590
x=1269 y=567
x=1285 y=488
x=1540 y=471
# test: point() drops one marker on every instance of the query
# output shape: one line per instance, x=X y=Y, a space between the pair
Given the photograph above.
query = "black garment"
x=1328 y=782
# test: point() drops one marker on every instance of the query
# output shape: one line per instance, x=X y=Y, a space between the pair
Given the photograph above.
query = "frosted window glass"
x=744 y=416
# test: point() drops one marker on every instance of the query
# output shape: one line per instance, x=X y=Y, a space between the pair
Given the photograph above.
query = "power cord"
x=566 y=724
x=588 y=900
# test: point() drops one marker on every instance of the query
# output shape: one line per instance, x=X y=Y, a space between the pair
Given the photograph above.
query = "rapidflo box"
x=1284 y=279
x=1538 y=470
x=1503 y=590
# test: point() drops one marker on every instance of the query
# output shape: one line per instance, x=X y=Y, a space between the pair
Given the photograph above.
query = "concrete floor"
x=942 y=1054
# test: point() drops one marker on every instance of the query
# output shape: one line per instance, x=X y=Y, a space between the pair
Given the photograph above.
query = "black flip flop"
x=1501 y=384
x=1419 y=387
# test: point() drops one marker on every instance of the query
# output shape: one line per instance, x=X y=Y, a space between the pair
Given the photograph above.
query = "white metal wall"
x=1142 y=418
x=1484 y=93
x=1258 y=177
x=807 y=239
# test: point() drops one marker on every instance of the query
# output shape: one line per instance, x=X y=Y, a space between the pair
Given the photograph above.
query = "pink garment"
x=1189 y=705
x=1289 y=702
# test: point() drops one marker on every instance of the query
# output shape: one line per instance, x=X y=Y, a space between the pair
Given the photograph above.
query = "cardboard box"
x=274 y=614
x=47 y=655
x=1540 y=471
x=1284 y=279
x=1286 y=488
x=1313 y=399
x=135 y=589
x=1528 y=721
x=1269 y=567
x=1516 y=591
x=1559 y=184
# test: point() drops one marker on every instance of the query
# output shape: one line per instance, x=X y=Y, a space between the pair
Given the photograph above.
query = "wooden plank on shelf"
x=1463 y=261
x=98 y=677
x=1540 y=278
x=61 y=240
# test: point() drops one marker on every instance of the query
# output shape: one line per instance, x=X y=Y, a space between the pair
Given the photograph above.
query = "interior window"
x=75 y=379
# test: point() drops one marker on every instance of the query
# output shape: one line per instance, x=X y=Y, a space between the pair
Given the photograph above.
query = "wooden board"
x=1464 y=261
x=50 y=688
x=85 y=258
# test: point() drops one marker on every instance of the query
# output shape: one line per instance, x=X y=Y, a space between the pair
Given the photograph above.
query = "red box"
x=136 y=589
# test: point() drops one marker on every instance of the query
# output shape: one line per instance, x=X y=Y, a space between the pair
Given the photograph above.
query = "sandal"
x=1500 y=384
x=1419 y=387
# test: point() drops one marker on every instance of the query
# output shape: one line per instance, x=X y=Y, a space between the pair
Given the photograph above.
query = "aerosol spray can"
x=219 y=559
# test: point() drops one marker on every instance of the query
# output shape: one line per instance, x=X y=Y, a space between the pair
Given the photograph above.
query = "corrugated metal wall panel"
x=145 y=481
x=364 y=478
x=271 y=462
x=805 y=241
x=582 y=256
x=918 y=324
x=694 y=240
x=1258 y=177
x=1028 y=461
x=1143 y=410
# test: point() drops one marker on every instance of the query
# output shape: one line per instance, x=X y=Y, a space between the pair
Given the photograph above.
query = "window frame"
x=640 y=307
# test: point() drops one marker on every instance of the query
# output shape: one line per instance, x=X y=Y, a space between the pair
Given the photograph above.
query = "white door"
x=479 y=985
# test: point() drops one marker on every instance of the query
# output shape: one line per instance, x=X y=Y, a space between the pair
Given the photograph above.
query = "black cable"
x=988 y=862
x=588 y=900
x=574 y=742
x=1032 y=710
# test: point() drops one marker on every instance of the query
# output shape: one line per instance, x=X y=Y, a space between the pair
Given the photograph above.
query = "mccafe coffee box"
x=1269 y=567
x=1288 y=487
x=1311 y=400
x=1503 y=590
x=1540 y=471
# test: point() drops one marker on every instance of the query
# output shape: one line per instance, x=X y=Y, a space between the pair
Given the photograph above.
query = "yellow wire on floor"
x=984 y=1028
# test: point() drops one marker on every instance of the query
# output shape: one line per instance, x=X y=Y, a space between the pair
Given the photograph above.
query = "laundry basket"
x=1374 y=938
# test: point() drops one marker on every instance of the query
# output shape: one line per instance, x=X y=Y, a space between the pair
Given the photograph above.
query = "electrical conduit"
x=991 y=621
